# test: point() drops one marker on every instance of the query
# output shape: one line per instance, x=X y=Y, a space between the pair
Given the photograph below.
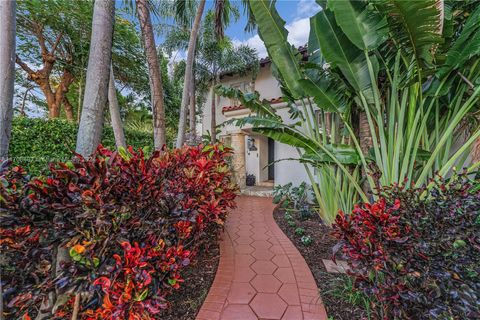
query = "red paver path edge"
x=261 y=275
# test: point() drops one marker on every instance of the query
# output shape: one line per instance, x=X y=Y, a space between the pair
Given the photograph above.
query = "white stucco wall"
x=255 y=161
x=288 y=171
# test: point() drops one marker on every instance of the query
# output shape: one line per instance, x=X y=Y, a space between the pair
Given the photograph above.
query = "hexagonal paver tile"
x=262 y=254
x=289 y=293
x=293 y=313
x=238 y=312
x=285 y=275
x=263 y=267
x=277 y=249
x=266 y=283
x=259 y=230
x=268 y=306
x=258 y=218
x=243 y=240
x=281 y=261
x=259 y=244
x=247 y=233
x=260 y=236
x=241 y=293
x=273 y=240
x=244 y=227
x=243 y=260
x=243 y=274
x=243 y=249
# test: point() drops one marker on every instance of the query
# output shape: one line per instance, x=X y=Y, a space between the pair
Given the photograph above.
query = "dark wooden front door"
x=271 y=159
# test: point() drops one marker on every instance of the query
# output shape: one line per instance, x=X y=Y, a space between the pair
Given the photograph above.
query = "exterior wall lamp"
x=251 y=144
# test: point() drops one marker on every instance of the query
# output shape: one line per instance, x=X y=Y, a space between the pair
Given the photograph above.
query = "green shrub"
x=299 y=231
x=36 y=142
x=306 y=240
x=292 y=197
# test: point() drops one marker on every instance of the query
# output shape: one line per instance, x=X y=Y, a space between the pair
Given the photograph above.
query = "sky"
x=296 y=14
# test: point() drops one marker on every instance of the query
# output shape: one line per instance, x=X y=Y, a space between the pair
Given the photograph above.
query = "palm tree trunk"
x=98 y=72
x=475 y=150
x=364 y=133
x=7 y=72
x=115 y=113
x=475 y=153
x=213 y=120
x=156 y=88
x=188 y=74
x=192 y=112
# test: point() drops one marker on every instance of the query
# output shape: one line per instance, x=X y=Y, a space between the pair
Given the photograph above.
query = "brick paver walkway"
x=261 y=274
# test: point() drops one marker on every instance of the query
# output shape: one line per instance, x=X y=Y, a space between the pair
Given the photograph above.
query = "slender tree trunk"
x=154 y=72
x=76 y=307
x=192 y=112
x=115 y=113
x=79 y=111
x=67 y=106
x=7 y=72
x=24 y=101
x=188 y=74
x=213 y=120
x=98 y=72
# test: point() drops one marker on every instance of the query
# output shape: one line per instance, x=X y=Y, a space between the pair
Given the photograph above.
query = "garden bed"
x=187 y=301
x=335 y=288
x=115 y=236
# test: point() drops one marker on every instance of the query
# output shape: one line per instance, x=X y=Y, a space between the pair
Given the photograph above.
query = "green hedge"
x=36 y=142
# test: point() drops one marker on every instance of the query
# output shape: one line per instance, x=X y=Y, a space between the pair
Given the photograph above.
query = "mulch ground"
x=187 y=301
x=321 y=248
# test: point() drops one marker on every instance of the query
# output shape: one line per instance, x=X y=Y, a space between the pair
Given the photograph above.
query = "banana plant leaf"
x=287 y=136
x=465 y=47
x=271 y=29
x=325 y=95
x=363 y=26
x=345 y=154
x=340 y=52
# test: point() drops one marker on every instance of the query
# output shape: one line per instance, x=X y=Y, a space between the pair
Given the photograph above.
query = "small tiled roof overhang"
x=239 y=107
x=263 y=62
x=302 y=50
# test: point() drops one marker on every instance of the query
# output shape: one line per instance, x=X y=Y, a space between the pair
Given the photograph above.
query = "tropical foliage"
x=108 y=237
x=59 y=44
x=403 y=66
x=217 y=57
x=417 y=258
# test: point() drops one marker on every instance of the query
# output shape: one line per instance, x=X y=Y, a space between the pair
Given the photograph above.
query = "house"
x=253 y=153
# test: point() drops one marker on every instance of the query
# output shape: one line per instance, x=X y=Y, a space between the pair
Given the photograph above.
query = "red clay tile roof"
x=239 y=107
x=302 y=50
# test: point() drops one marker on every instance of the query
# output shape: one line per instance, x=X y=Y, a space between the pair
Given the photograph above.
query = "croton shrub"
x=417 y=252
x=107 y=237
